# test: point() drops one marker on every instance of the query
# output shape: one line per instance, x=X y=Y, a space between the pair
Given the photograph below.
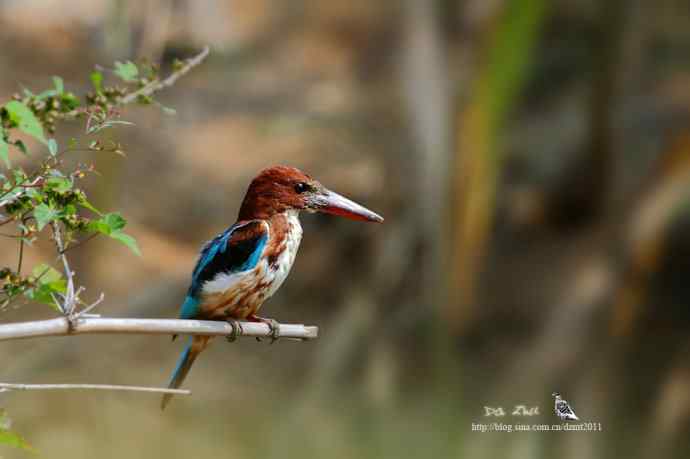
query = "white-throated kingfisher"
x=244 y=266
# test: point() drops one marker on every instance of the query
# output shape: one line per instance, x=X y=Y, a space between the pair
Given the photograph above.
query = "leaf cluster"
x=49 y=201
x=52 y=196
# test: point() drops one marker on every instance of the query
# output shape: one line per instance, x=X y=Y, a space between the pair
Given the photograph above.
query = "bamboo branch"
x=88 y=325
x=5 y=387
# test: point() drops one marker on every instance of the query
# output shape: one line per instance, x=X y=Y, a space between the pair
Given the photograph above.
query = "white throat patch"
x=287 y=258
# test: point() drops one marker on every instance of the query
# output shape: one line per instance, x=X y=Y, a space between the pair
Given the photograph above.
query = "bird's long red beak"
x=333 y=203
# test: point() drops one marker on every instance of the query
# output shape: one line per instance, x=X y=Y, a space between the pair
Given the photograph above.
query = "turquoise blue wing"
x=237 y=249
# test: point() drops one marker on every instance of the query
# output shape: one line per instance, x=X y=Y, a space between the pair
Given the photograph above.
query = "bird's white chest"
x=278 y=271
x=239 y=294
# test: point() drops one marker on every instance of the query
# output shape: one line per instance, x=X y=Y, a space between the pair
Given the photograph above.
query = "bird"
x=562 y=408
x=242 y=267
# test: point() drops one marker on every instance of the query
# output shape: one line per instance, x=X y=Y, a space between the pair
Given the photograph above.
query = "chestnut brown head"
x=279 y=189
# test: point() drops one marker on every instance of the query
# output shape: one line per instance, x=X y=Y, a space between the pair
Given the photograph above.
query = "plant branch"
x=5 y=197
x=152 y=87
x=79 y=243
x=82 y=325
x=146 y=91
x=5 y=387
x=21 y=255
x=157 y=85
x=69 y=303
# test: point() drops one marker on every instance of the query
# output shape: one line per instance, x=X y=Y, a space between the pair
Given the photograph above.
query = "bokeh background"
x=532 y=160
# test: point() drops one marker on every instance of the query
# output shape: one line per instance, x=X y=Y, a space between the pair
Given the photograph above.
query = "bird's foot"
x=275 y=329
x=237 y=331
x=273 y=325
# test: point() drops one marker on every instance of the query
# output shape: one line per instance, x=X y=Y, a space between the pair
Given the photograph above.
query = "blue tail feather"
x=184 y=364
x=174 y=378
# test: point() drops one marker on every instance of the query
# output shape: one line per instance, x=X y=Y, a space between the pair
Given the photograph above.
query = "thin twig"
x=21 y=243
x=148 y=90
x=4 y=200
x=152 y=87
x=21 y=255
x=156 y=86
x=84 y=311
x=83 y=325
x=79 y=243
x=69 y=298
x=4 y=387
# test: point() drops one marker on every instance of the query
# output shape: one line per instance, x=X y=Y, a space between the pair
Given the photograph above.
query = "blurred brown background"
x=532 y=160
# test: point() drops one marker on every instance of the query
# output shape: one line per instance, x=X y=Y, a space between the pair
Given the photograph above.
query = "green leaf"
x=46 y=274
x=33 y=193
x=49 y=281
x=19 y=175
x=52 y=147
x=69 y=100
x=44 y=214
x=4 y=149
x=108 y=223
x=127 y=240
x=115 y=221
x=97 y=80
x=111 y=225
x=59 y=84
x=10 y=438
x=46 y=94
x=59 y=184
x=69 y=209
x=15 y=440
x=87 y=205
x=25 y=119
x=127 y=71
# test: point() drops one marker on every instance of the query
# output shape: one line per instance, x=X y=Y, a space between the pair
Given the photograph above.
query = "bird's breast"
x=286 y=246
x=241 y=294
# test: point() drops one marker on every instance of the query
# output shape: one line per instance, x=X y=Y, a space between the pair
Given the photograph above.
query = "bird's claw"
x=275 y=329
x=237 y=331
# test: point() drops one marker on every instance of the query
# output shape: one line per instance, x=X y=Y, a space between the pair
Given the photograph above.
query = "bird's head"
x=281 y=188
x=555 y=394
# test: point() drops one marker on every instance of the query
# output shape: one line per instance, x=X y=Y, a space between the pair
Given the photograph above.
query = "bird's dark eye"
x=302 y=187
